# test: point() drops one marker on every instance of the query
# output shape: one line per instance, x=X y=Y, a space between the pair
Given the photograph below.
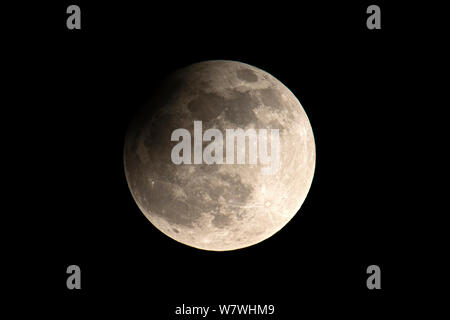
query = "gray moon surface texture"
x=219 y=207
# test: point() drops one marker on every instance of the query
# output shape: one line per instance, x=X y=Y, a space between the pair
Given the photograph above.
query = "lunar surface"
x=219 y=206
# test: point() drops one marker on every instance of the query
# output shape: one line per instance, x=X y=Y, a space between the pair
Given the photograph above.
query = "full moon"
x=219 y=206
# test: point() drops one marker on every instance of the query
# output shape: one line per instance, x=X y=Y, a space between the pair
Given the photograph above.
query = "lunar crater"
x=247 y=75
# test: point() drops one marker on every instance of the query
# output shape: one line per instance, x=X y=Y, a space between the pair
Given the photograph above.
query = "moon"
x=219 y=207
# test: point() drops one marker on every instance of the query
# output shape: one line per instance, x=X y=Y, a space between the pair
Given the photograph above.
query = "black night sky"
x=85 y=85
